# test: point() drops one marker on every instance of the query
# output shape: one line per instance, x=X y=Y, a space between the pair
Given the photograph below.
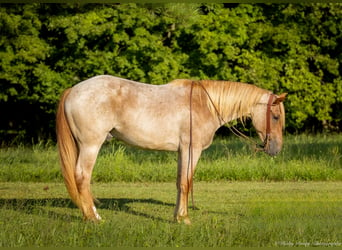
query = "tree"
x=27 y=83
x=46 y=48
x=284 y=48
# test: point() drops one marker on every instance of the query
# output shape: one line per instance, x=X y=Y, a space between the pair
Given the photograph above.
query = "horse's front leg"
x=186 y=169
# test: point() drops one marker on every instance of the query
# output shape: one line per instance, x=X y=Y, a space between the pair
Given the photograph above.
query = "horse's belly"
x=156 y=140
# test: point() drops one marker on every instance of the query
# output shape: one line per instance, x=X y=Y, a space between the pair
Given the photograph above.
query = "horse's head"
x=268 y=118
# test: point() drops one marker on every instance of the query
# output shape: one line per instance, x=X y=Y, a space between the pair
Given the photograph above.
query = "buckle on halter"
x=264 y=146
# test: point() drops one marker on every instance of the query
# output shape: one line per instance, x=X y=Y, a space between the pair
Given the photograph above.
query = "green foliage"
x=294 y=48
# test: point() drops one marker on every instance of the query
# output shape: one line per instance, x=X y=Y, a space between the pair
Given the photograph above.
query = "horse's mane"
x=232 y=99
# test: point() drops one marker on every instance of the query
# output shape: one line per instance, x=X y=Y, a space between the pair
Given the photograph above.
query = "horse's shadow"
x=123 y=205
x=41 y=207
x=38 y=206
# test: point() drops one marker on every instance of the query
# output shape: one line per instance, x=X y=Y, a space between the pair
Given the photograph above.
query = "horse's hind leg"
x=84 y=167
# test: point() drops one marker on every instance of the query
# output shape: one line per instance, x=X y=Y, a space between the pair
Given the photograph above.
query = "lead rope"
x=191 y=160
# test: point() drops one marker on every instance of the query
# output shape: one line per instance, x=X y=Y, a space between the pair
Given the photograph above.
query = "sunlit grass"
x=302 y=158
x=288 y=205
x=141 y=214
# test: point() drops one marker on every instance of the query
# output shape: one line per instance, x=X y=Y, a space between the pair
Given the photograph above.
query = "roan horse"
x=182 y=116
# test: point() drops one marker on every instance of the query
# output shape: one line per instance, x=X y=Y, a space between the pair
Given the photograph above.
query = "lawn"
x=303 y=158
x=141 y=214
x=242 y=198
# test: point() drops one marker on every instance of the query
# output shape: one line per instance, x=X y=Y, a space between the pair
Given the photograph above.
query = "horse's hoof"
x=184 y=219
x=93 y=219
x=187 y=221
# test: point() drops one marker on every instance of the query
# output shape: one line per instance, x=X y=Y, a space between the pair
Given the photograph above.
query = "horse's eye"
x=276 y=117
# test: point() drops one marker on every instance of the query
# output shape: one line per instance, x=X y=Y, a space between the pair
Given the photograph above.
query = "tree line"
x=45 y=48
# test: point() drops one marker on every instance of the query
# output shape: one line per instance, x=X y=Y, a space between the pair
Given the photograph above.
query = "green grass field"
x=243 y=199
x=316 y=158
x=141 y=214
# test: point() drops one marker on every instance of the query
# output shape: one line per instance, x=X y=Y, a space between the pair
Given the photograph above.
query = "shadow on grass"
x=38 y=206
x=123 y=205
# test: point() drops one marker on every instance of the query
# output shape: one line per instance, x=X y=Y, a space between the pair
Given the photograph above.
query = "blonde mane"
x=232 y=99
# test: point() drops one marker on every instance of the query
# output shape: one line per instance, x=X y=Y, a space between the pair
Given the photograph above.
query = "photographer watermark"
x=308 y=244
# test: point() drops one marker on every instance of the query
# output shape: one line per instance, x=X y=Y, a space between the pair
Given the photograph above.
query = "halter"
x=268 y=122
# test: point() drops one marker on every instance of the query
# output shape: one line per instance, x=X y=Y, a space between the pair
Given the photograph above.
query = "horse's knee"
x=79 y=180
x=183 y=188
x=82 y=181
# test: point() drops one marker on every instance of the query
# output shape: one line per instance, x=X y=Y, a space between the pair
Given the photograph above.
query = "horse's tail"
x=68 y=150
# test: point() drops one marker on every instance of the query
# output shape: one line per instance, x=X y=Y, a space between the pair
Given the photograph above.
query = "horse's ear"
x=280 y=98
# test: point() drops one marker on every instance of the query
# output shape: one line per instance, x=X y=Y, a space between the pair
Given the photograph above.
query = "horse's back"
x=101 y=84
x=111 y=85
x=141 y=114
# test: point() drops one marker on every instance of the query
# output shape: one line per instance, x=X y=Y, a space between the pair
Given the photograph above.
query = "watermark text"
x=308 y=244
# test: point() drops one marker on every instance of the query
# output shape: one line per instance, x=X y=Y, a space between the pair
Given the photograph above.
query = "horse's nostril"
x=273 y=148
x=272 y=153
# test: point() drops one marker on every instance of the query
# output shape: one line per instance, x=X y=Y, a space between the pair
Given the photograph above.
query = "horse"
x=180 y=116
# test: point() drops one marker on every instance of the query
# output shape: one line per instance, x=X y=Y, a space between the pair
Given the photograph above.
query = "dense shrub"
x=45 y=48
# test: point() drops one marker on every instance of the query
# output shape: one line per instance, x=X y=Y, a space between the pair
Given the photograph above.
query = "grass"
x=303 y=158
x=140 y=214
x=294 y=199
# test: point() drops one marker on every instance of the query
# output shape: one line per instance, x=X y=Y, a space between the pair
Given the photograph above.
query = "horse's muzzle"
x=270 y=147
